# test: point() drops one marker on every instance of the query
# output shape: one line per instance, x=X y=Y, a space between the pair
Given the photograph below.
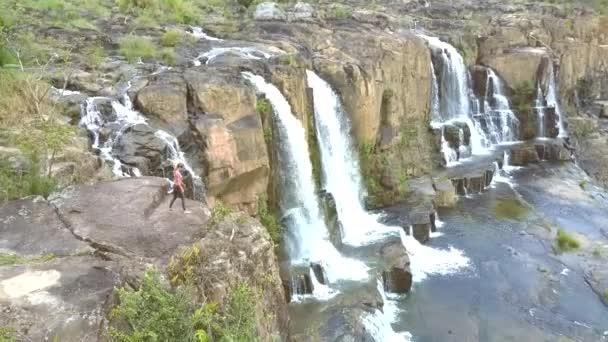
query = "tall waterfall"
x=341 y=175
x=454 y=93
x=553 y=101
x=299 y=202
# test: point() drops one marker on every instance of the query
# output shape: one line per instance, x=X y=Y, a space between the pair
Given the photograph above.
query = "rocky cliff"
x=63 y=260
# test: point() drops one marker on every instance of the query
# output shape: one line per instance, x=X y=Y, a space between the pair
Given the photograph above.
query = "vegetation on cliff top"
x=154 y=313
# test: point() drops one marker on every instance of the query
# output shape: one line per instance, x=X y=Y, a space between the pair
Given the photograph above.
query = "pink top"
x=178 y=179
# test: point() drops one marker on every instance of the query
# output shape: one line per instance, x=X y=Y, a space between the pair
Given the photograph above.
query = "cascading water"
x=539 y=107
x=454 y=94
x=341 y=176
x=342 y=179
x=501 y=123
x=125 y=116
x=379 y=322
x=553 y=101
x=299 y=203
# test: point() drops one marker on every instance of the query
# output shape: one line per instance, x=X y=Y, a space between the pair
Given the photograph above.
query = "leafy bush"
x=7 y=335
x=182 y=268
x=239 y=322
x=134 y=47
x=341 y=12
x=154 y=313
x=565 y=241
x=171 y=38
x=220 y=211
x=269 y=220
x=263 y=107
x=94 y=56
x=167 y=55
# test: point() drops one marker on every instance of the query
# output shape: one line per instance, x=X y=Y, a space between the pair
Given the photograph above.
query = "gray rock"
x=303 y=11
x=32 y=228
x=268 y=11
x=64 y=298
x=140 y=147
x=131 y=217
x=396 y=276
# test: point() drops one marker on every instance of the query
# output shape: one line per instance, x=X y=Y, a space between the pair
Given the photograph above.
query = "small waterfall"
x=539 y=107
x=553 y=101
x=198 y=33
x=299 y=202
x=125 y=116
x=341 y=175
x=176 y=155
x=435 y=115
x=501 y=123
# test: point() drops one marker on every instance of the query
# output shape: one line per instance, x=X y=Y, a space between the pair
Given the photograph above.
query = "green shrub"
x=171 y=38
x=523 y=98
x=94 y=56
x=240 y=315
x=566 y=242
x=167 y=55
x=7 y=334
x=152 y=313
x=134 y=48
x=269 y=220
x=341 y=12
x=220 y=211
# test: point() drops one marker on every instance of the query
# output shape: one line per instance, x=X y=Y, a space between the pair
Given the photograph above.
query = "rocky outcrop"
x=269 y=11
x=518 y=66
x=139 y=146
x=68 y=256
x=165 y=102
x=397 y=276
x=229 y=136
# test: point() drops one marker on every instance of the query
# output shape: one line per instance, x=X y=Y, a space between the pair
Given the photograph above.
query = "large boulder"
x=396 y=276
x=139 y=146
x=302 y=11
x=165 y=102
x=445 y=193
x=230 y=137
x=131 y=217
x=64 y=299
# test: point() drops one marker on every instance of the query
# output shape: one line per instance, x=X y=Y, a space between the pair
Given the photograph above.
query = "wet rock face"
x=139 y=146
x=445 y=194
x=523 y=155
x=397 y=276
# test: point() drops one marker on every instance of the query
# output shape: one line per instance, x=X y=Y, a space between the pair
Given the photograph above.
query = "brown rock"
x=397 y=276
x=165 y=102
x=522 y=155
x=445 y=193
x=518 y=65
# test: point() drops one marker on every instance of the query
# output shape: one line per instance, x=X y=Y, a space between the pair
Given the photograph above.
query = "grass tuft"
x=510 y=209
x=566 y=242
x=171 y=38
x=134 y=48
x=13 y=259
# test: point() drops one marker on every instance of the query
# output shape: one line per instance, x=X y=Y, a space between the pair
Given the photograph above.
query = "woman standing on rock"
x=178 y=187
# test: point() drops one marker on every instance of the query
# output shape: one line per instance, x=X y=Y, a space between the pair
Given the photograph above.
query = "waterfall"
x=198 y=33
x=539 y=106
x=454 y=93
x=299 y=202
x=341 y=175
x=435 y=115
x=125 y=116
x=553 y=101
x=502 y=124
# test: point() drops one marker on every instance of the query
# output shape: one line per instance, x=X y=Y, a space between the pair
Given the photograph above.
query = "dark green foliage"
x=171 y=38
x=269 y=220
x=240 y=317
x=152 y=313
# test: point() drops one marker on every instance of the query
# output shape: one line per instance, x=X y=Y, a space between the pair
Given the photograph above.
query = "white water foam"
x=244 y=52
x=198 y=33
x=379 y=322
x=426 y=261
x=310 y=241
